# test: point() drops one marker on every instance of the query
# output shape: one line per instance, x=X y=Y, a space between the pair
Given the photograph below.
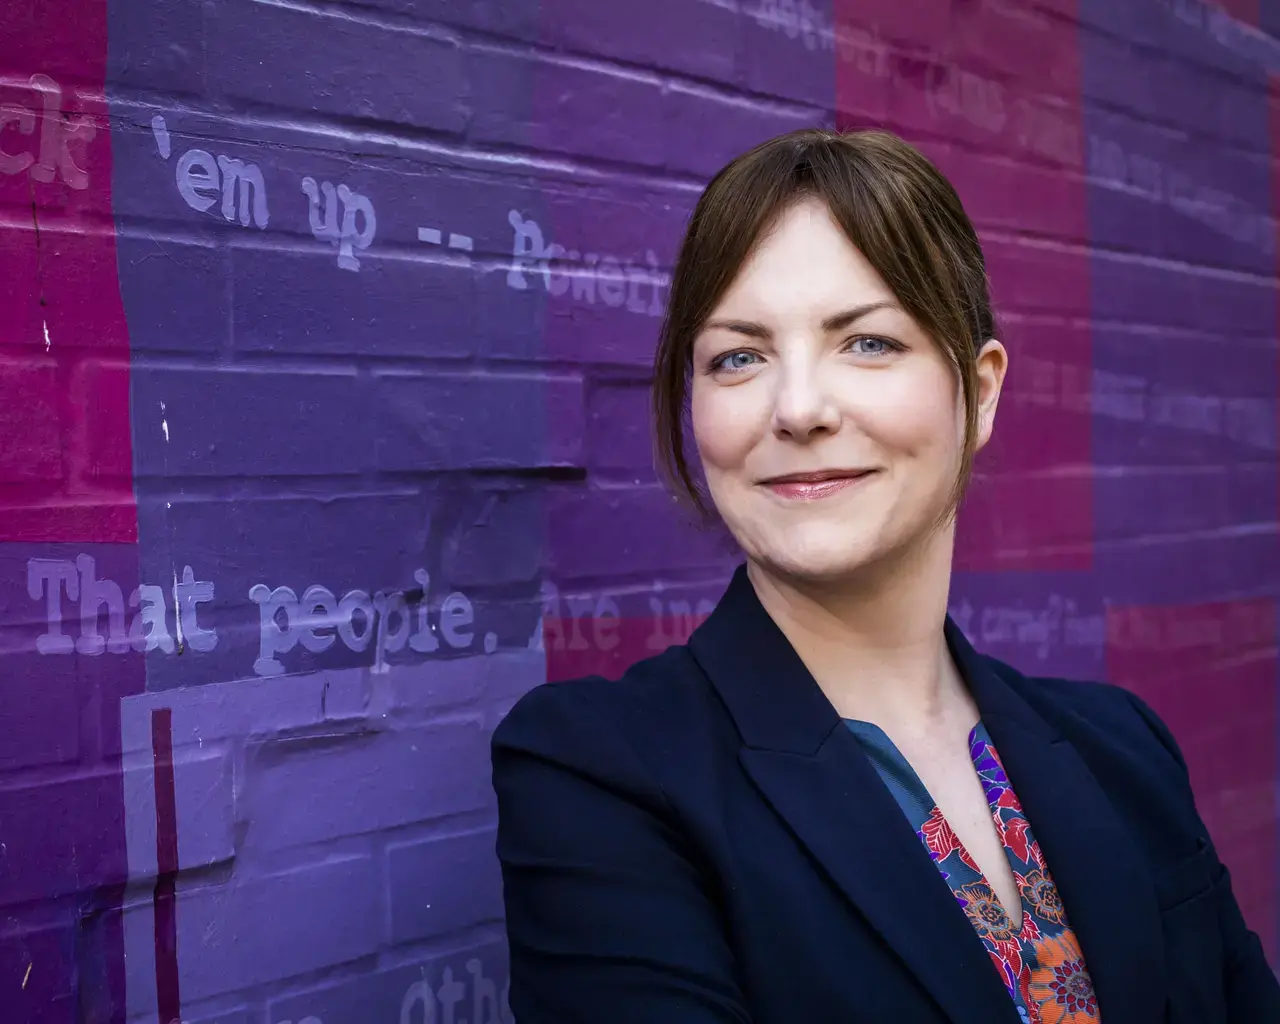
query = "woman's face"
x=829 y=425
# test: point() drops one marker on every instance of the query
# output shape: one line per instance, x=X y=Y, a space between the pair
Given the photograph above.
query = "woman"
x=804 y=814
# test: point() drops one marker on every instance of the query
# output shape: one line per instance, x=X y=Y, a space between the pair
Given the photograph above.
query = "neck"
x=875 y=644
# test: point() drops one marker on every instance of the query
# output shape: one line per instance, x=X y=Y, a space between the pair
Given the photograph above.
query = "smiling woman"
x=809 y=378
x=827 y=806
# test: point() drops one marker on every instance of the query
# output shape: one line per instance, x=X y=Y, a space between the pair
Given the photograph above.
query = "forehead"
x=803 y=263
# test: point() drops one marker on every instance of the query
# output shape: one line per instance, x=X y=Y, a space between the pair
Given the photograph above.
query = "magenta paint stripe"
x=168 y=1000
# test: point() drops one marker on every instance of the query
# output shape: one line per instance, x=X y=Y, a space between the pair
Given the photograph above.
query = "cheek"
x=918 y=414
x=723 y=424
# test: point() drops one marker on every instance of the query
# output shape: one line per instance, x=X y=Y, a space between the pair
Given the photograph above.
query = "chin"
x=816 y=552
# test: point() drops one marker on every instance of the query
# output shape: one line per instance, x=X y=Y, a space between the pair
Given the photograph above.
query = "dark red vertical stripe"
x=168 y=1001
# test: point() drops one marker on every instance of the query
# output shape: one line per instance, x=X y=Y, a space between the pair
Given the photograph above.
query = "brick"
x=479 y=682
x=149 y=192
x=217 y=1013
x=1212 y=566
x=609 y=313
x=470 y=983
x=429 y=423
x=1127 y=289
x=26 y=29
x=42 y=725
x=518 y=19
x=919 y=23
x=867 y=73
x=287 y=422
x=1020 y=43
x=620 y=531
x=311 y=789
x=792 y=54
x=351 y=313
x=1015 y=521
x=193 y=278
x=440 y=885
x=641 y=34
x=159 y=48
x=618 y=437
x=204 y=803
x=618 y=217
x=203 y=716
x=35 y=962
x=29 y=422
x=417 y=80
x=1059 y=628
x=262 y=929
x=372 y=540
x=1013 y=195
x=702 y=131
x=604 y=633
x=98 y=454
x=1163 y=382
x=72 y=298
x=934 y=95
x=77 y=188
x=42 y=862
x=1204 y=495
x=1038 y=278
x=1188 y=208
x=1189 y=96
x=493 y=547
x=585 y=111
x=411 y=689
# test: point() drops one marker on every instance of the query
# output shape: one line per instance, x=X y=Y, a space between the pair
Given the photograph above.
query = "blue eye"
x=739 y=360
x=867 y=345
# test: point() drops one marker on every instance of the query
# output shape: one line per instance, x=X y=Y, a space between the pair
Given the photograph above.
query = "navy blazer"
x=704 y=841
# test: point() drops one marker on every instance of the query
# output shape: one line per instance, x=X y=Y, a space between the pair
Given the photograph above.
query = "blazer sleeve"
x=1253 y=993
x=608 y=917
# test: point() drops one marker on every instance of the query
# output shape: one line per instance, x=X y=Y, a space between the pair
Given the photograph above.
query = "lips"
x=812 y=486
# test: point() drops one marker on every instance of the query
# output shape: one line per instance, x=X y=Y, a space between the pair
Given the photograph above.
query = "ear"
x=993 y=362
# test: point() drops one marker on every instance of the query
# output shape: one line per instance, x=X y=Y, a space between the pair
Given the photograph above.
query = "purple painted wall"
x=323 y=399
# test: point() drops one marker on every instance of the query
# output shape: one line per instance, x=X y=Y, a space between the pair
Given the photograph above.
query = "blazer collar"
x=775 y=701
x=813 y=772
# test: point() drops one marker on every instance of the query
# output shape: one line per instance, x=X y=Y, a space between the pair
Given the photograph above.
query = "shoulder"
x=1094 y=713
x=661 y=707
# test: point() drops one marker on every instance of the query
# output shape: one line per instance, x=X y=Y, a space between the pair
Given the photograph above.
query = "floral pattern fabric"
x=1040 y=963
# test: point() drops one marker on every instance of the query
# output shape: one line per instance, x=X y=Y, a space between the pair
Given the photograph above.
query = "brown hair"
x=895 y=207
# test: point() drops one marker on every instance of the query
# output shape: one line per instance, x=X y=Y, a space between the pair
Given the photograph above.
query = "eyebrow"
x=835 y=322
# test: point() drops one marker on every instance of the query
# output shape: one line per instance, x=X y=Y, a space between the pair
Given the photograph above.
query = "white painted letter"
x=198 y=179
x=56 y=133
x=319 y=610
x=419 y=993
x=353 y=205
x=355 y=601
x=246 y=179
x=527 y=250
x=455 y=615
x=150 y=629
x=187 y=595
x=273 y=637
x=47 y=576
x=16 y=163
x=94 y=593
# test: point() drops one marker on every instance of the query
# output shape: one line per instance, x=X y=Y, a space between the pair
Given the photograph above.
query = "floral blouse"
x=1041 y=963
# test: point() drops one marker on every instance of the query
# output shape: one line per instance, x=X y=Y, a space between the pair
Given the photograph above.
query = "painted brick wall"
x=322 y=395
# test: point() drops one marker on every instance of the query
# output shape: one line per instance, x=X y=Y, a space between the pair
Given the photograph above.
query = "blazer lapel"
x=1105 y=885
x=812 y=771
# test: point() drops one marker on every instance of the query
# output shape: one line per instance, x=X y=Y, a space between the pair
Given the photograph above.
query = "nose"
x=803 y=408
